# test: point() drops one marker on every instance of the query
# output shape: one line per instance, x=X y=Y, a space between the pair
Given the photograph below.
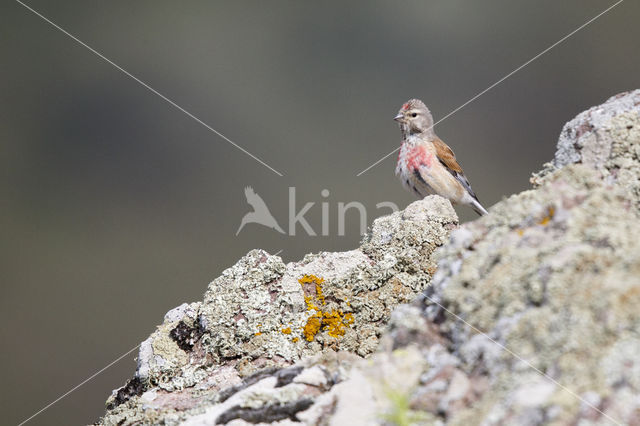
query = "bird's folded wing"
x=446 y=155
x=448 y=159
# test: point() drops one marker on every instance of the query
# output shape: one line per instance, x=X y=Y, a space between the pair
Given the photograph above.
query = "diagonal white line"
x=515 y=355
x=149 y=88
x=80 y=384
x=502 y=79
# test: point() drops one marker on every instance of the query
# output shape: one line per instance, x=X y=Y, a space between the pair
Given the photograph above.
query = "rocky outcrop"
x=261 y=315
x=531 y=317
x=537 y=305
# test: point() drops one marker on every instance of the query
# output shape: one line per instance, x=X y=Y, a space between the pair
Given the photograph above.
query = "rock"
x=549 y=284
x=527 y=316
x=604 y=138
x=261 y=315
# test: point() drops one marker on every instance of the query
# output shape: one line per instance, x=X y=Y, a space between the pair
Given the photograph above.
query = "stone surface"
x=532 y=316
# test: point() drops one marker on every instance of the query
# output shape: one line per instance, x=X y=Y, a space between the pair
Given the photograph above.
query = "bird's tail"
x=477 y=207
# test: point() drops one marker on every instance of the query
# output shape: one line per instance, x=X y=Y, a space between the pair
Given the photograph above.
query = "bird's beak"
x=398 y=117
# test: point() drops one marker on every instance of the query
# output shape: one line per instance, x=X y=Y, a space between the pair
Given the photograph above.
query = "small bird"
x=260 y=213
x=426 y=165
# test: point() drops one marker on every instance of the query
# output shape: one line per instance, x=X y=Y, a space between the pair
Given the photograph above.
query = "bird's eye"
x=414 y=114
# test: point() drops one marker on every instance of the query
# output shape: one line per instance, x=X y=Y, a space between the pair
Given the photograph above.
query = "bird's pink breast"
x=419 y=157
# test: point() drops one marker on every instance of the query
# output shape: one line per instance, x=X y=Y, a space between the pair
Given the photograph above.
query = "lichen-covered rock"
x=262 y=314
x=605 y=138
x=535 y=297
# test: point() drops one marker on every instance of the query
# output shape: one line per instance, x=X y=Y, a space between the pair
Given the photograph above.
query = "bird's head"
x=414 y=117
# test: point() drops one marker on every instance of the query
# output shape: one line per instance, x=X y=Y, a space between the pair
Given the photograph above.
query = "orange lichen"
x=294 y=340
x=308 y=300
x=545 y=221
x=319 y=293
x=308 y=279
x=317 y=281
x=335 y=322
x=286 y=330
x=258 y=333
x=311 y=328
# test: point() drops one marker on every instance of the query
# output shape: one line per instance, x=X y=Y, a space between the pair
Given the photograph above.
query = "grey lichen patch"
x=167 y=352
x=403 y=241
x=161 y=354
x=246 y=308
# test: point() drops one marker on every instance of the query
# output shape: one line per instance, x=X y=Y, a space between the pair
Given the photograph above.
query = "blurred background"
x=117 y=207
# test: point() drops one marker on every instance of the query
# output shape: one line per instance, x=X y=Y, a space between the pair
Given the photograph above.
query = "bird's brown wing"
x=446 y=155
x=448 y=159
